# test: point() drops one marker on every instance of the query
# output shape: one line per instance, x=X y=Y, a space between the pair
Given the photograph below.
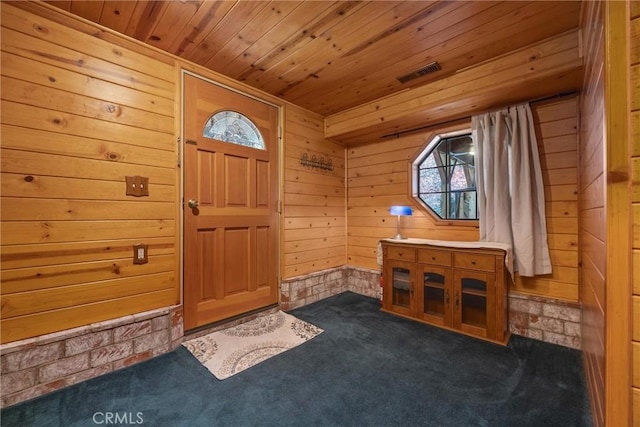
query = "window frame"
x=431 y=141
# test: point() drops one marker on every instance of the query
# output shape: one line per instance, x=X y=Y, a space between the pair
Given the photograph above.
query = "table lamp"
x=400 y=211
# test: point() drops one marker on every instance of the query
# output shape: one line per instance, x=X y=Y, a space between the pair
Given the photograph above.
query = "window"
x=235 y=128
x=444 y=180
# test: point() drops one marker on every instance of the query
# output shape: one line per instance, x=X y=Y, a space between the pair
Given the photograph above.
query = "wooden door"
x=230 y=203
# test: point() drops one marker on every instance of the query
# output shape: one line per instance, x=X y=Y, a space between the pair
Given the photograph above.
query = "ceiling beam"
x=551 y=66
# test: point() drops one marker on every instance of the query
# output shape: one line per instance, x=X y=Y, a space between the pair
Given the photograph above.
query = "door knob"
x=193 y=203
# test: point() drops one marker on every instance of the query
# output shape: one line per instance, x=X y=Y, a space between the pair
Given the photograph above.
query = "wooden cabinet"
x=462 y=289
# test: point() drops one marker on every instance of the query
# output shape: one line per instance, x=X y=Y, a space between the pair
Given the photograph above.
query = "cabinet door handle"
x=446 y=296
x=433 y=258
x=457 y=300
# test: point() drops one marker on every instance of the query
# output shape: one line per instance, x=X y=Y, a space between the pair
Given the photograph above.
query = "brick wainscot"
x=37 y=366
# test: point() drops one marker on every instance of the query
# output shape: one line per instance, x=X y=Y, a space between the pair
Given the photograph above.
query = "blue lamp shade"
x=400 y=210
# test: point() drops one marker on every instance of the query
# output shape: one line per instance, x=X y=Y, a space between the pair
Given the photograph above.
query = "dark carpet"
x=368 y=368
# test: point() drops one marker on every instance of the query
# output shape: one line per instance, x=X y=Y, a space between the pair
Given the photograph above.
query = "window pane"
x=461 y=147
x=442 y=152
x=235 y=128
x=431 y=180
x=462 y=205
x=434 y=201
x=461 y=180
x=429 y=162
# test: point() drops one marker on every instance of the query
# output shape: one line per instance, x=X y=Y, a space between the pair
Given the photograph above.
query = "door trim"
x=279 y=177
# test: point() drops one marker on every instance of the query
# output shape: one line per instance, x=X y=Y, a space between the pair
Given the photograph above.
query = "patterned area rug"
x=232 y=350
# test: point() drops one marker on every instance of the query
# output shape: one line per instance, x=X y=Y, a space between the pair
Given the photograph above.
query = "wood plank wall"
x=556 y=123
x=378 y=176
x=82 y=108
x=314 y=199
x=619 y=218
x=634 y=71
x=591 y=210
x=607 y=207
x=79 y=115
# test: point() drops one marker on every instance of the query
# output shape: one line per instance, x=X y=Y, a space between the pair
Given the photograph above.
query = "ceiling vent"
x=430 y=68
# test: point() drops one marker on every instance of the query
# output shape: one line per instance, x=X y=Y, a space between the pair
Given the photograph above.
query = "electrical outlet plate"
x=140 y=254
x=137 y=186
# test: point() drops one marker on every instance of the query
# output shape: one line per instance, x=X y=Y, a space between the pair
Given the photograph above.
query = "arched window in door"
x=235 y=128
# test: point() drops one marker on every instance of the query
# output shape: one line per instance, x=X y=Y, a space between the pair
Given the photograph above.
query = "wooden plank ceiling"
x=328 y=56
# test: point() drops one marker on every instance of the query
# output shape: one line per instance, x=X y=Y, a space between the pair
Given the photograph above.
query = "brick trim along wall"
x=548 y=320
x=37 y=366
x=303 y=290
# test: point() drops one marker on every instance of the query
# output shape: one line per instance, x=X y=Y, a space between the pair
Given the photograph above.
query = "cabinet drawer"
x=401 y=253
x=474 y=261
x=435 y=257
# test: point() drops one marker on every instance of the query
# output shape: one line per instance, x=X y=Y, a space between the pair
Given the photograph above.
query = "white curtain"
x=509 y=186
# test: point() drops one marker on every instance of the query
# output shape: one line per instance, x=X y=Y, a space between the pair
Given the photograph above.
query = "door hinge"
x=179 y=159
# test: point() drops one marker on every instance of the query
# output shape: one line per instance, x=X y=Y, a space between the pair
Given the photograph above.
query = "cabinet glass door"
x=436 y=294
x=474 y=302
x=401 y=287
